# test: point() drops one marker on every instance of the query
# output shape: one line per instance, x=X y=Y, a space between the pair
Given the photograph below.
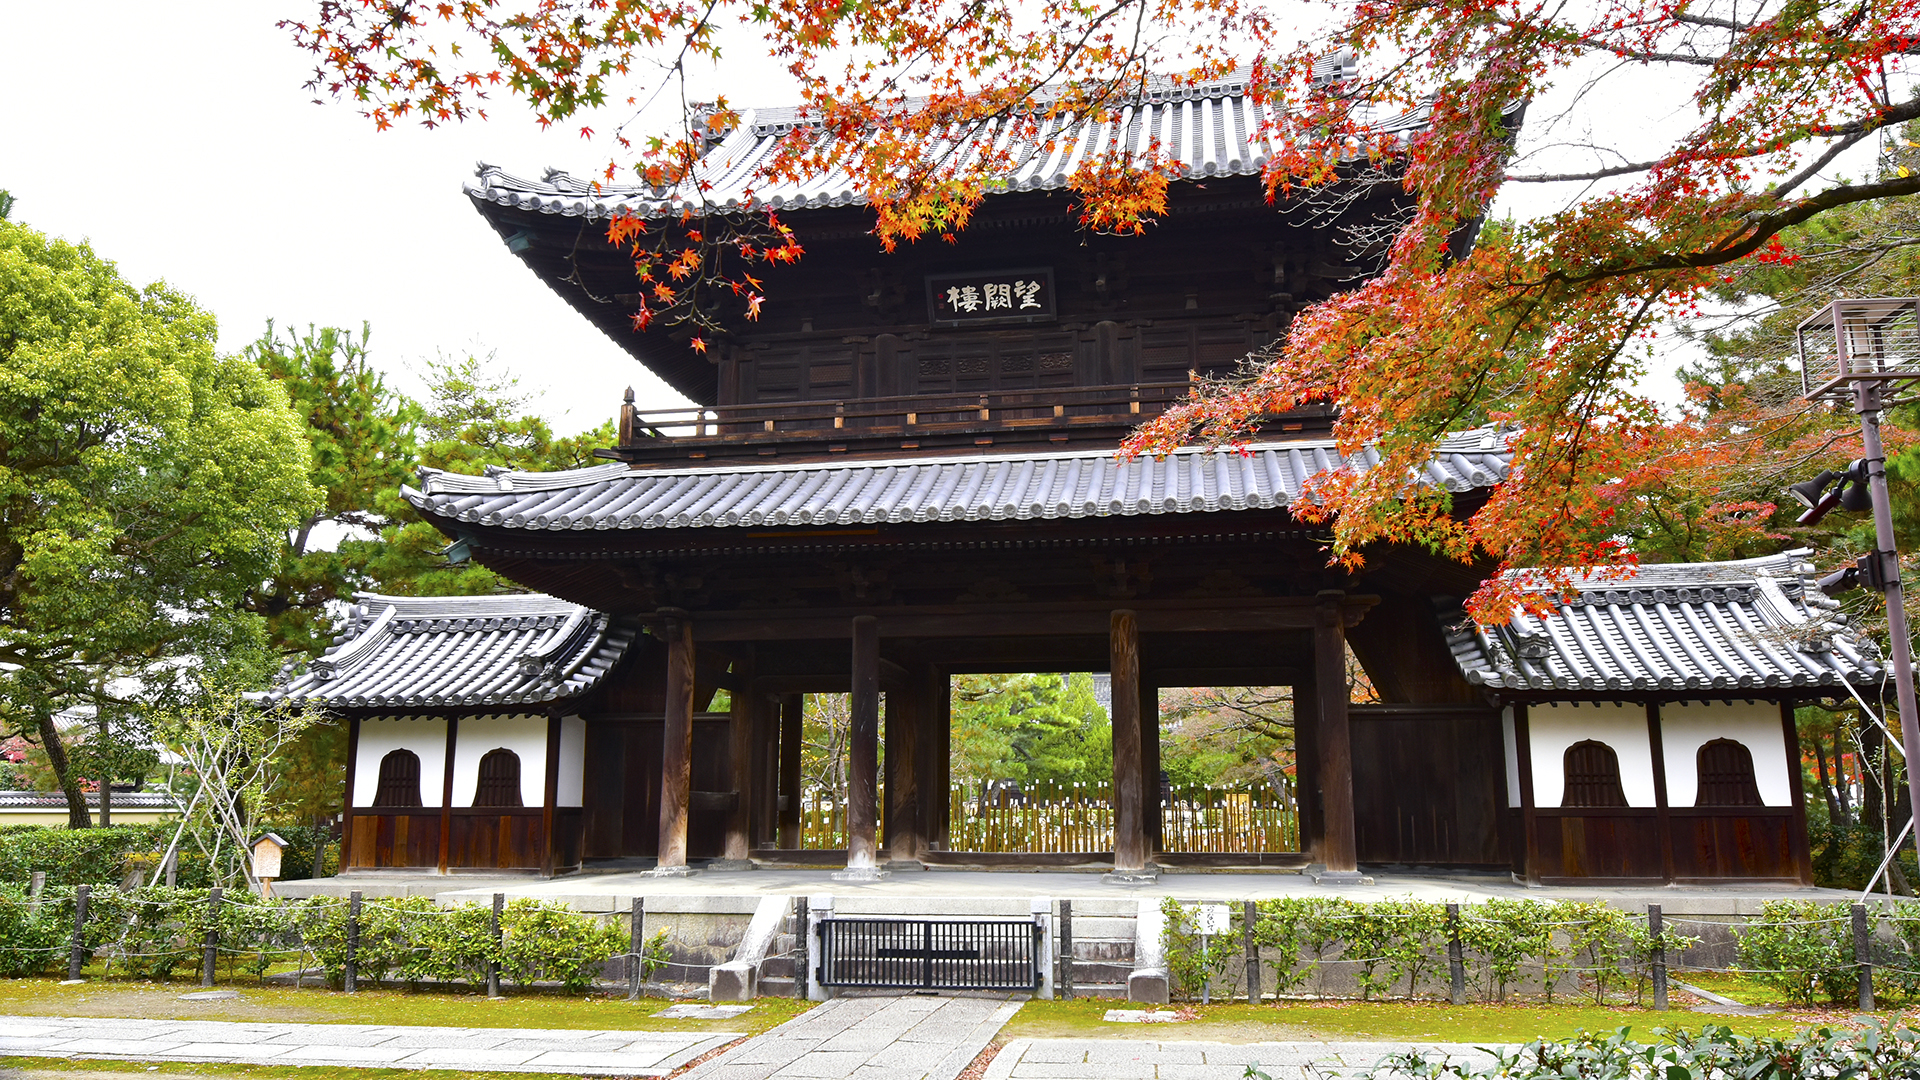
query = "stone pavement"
x=1126 y=1059
x=868 y=1038
x=583 y=1053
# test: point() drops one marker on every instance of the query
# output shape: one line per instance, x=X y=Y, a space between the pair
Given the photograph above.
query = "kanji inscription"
x=991 y=296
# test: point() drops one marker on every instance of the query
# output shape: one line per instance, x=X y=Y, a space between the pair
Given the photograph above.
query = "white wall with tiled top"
x=425 y=736
x=1685 y=728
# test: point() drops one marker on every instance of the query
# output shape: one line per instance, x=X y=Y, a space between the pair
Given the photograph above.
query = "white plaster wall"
x=1685 y=728
x=425 y=736
x=1513 y=756
x=573 y=762
x=524 y=735
x=1554 y=727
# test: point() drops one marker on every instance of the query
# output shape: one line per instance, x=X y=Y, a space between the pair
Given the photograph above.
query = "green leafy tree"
x=146 y=484
x=475 y=417
x=1033 y=728
x=362 y=435
x=1226 y=736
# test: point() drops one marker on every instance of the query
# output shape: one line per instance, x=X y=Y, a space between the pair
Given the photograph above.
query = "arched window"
x=499 y=779
x=1726 y=775
x=399 y=780
x=1593 y=776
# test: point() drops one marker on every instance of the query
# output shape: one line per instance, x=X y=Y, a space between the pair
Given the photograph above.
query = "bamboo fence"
x=1079 y=817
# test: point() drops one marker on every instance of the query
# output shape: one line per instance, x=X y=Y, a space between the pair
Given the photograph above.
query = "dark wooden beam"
x=740 y=708
x=904 y=720
x=676 y=752
x=1529 y=822
x=446 y=794
x=863 y=751
x=1334 y=736
x=1802 y=856
x=1129 y=824
x=792 y=707
x=552 y=795
x=1657 y=746
x=1024 y=620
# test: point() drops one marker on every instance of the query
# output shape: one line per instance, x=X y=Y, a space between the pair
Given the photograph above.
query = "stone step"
x=776 y=987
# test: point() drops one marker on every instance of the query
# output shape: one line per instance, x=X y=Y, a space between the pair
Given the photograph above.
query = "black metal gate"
x=928 y=954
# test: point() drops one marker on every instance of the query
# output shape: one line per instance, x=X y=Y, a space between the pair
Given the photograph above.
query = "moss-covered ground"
x=527 y=1008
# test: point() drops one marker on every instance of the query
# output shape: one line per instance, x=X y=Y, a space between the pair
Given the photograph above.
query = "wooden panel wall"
x=384 y=839
x=496 y=839
x=1427 y=786
x=621 y=817
x=1755 y=843
x=1591 y=843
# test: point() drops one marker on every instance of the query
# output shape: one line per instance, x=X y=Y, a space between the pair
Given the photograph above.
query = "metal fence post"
x=1863 y=956
x=1456 y=958
x=78 y=956
x=210 y=945
x=800 y=944
x=1065 y=981
x=1656 y=927
x=1250 y=915
x=636 y=952
x=493 y=928
x=352 y=976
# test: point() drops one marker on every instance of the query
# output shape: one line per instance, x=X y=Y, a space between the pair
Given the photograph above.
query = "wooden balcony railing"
x=911 y=412
x=904 y=422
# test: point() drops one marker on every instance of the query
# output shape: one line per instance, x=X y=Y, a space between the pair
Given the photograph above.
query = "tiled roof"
x=1211 y=129
x=1723 y=626
x=1018 y=487
x=54 y=800
x=459 y=651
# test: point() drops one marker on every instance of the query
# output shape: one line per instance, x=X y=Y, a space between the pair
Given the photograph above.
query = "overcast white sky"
x=177 y=138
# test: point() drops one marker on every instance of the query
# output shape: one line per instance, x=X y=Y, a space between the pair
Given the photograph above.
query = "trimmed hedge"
x=105 y=856
x=156 y=932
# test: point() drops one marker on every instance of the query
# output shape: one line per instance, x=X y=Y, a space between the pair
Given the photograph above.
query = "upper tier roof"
x=525 y=649
x=1720 y=626
x=1209 y=129
x=1049 y=485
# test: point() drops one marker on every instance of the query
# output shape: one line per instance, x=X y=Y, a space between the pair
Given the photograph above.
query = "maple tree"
x=1542 y=327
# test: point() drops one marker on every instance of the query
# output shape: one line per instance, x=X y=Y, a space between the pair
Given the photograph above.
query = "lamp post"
x=1866 y=350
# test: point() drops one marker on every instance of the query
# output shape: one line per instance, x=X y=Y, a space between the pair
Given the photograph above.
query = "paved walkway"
x=1121 y=1059
x=868 y=1038
x=541 y=1050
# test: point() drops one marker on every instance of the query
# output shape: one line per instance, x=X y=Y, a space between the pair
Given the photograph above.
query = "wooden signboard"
x=991 y=296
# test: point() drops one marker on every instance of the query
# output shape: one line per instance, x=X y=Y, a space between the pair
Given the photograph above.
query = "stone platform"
x=987 y=891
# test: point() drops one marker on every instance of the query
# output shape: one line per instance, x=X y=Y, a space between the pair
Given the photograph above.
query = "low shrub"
x=1879 y=1050
x=1802 y=949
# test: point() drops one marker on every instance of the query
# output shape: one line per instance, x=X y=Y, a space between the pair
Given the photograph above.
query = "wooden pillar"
x=936 y=764
x=346 y=807
x=1152 y=811
x=738 y=852
x=1802 y=857
x=1306 y=767
x=903 y=817
x=676 y=751
x=1336 y=742
x=766 y=771
x=863 y=752
x=1129 y=818
x=552 y=796
x=792 y=708
x=446 y=794
x=1662 y=818
x=1530 y=832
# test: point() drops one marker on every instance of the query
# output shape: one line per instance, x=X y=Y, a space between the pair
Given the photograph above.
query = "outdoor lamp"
x=1808 y=492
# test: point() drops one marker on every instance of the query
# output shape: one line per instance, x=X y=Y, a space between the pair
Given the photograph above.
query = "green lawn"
x=531 y=1009
x=1390 y=1021
x=24 y=1068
